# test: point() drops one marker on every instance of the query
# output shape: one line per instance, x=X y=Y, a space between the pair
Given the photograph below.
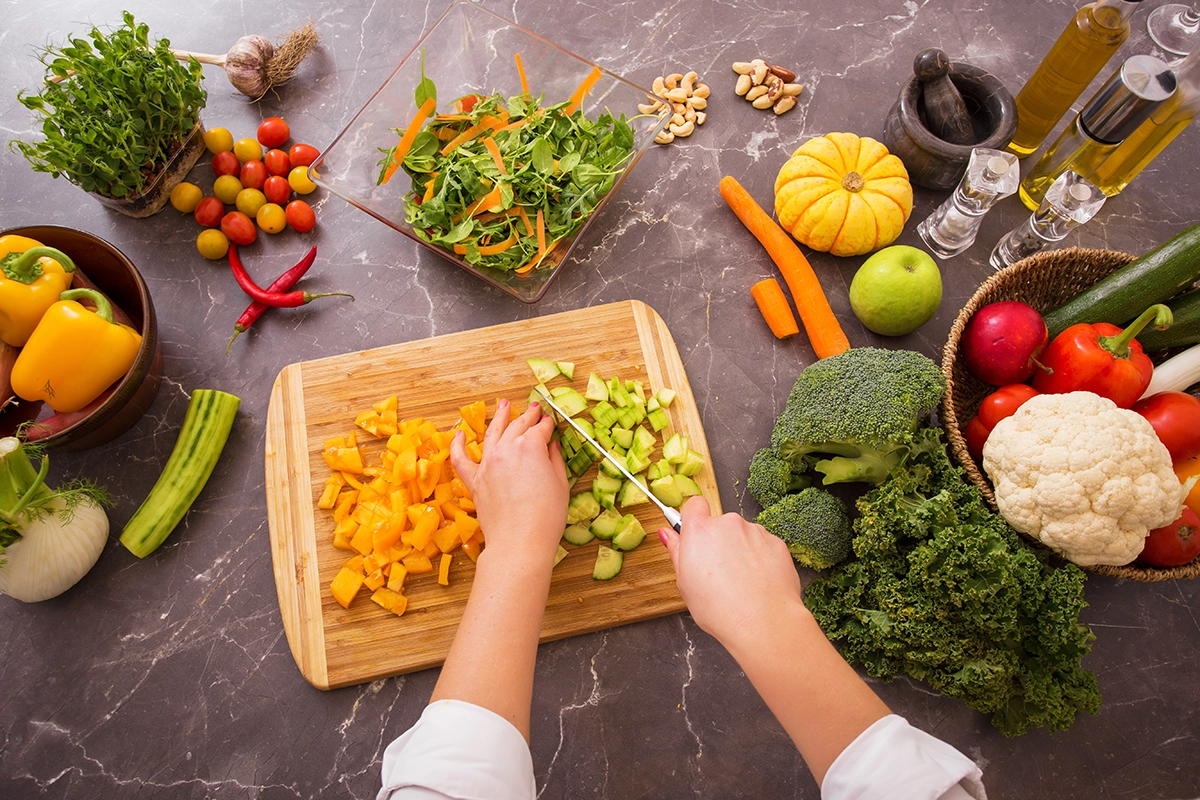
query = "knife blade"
x=671 y=514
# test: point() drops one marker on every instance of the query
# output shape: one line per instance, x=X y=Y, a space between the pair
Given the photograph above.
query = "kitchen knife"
x=671 y=514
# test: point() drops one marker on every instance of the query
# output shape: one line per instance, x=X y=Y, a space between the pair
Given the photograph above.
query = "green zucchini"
x=1184 y=330
x=1154 y=278
x=206 y=427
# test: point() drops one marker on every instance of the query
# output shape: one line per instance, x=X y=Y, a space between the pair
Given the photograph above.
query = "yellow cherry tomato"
x=1186 y=469
x=248 y=150
x=212 y=244
x=185 y=197
x=226 y=188
x=271 y=218
x=218 y=140
x=249 y=201
x=300 y=182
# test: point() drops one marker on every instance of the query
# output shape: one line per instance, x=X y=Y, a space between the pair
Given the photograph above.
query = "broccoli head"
x=856 y=412
x=771 y=478
x=814 y=524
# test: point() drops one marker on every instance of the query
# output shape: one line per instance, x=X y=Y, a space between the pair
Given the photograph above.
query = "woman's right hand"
x=734 y=576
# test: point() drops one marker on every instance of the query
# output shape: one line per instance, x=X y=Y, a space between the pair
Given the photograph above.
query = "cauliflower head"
x=1083 y=476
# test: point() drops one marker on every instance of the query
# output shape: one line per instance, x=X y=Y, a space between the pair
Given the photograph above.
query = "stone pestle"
x=945 y=112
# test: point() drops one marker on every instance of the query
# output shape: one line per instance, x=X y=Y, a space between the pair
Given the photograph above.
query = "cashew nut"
x=677 y=119
x=666 y=137
x=701 y=90
x=697 y=103
x=657 y=87
x=677 y=95
x=683 y=130
x=700 y=117
x=650 y=108
x=672 y=80
x=690 y=115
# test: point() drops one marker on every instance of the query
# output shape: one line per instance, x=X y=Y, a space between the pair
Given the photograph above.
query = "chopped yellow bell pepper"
x=444 y=570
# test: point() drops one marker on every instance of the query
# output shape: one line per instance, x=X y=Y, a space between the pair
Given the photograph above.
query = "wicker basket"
x=1044 y=281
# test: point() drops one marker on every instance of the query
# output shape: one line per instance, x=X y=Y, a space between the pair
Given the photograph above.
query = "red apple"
x=1001 y=341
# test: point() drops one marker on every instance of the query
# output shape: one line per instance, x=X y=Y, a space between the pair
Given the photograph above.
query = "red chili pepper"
x=281 y=284
x=272 y=299
x=1101 y=358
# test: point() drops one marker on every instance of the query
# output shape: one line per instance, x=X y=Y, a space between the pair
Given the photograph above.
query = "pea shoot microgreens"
x=557 y=165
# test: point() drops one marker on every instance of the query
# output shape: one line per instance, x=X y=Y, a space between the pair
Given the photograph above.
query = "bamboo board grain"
x=314 y=400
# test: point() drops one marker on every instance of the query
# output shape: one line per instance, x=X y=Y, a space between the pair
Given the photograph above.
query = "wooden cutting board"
x=315 y=400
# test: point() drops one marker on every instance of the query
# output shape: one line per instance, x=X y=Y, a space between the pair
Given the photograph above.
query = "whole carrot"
x=824 y=332
x=281 y=284
x=774 y=307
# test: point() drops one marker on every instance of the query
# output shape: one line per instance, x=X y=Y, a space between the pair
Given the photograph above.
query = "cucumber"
x=631 y=495
x=582 y=507
x=605 y=525
x=1184 y=330
x=597 y=389
x=543 y=369
x=206 y=426
x=560 y=555
x=1126 y=293
x=608 y=563
x=666 y=490
x=630 y=533
x=577 y=534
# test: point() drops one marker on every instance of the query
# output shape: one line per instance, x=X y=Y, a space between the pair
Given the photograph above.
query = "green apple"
x=896 y=290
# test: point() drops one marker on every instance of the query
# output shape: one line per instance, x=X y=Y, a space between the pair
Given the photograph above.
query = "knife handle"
x=672 y=517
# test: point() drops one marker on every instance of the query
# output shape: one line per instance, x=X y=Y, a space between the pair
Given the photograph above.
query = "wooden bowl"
x=116 y=276
x=1043 y=281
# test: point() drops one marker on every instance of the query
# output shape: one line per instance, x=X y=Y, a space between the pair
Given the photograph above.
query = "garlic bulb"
x=255 y=66
x=246 y=64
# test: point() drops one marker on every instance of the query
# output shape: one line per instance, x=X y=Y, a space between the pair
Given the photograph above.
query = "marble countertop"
x=172 y=677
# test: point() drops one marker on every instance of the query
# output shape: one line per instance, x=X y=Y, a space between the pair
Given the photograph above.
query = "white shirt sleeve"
x=458 y=751
x=893 y=759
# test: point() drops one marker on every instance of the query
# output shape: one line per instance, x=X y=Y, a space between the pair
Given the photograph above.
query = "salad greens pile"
x=503 y=180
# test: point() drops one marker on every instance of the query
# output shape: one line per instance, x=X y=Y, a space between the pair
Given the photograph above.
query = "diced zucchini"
x=597 y=390
x=582 y=507
x=567 y=368
x=665 y=490
x=594 y=454
x=543 y=370
x=608 y=563
x=603 y=437
x=644 y=439
x=607 y=499
x=560 y=555
x=605 y=525
x=587 y=426
x=579 y=463
x=606 y=483
x=687 y=487
x=665 y=397
x=635 y=462
x=630 y=533
x=658 y=469
x=658 y=419
x=638 y=390
x=692 y=464
x=623 y=437
x=577 y=534
x=626 y=417
x=631 y=495
x=652 y=404
x=604 y=414
x=570 y=442
x=610 y=469
x=675 y=449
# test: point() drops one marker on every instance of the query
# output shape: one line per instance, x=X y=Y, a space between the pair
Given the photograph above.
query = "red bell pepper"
x=1102 y=359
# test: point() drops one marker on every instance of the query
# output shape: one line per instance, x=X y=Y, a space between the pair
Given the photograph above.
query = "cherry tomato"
x=277 y=162
x=238 y=227
x=272 y=218
x=303 y=155
x=300 y=216
x=976 y=435
x=209 y=212
x=226 y=189
x=1174 y=544
x=212 y=244
x=185 y=196
x=273 y=131
x=1186 y=469
x=278 y=190
x=298 y=179
x=1003 y=403
x=1175 y=417
x=249 y=201
x=225 y=163
x=247 y=150
x=218 y=140
x=253 y=175
x=467 y=104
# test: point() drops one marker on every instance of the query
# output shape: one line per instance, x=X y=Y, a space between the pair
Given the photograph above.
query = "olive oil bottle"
x=1141 y=147
x=1082 y=50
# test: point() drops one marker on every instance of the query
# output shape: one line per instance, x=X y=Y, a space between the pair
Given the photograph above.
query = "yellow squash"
x=843 y=194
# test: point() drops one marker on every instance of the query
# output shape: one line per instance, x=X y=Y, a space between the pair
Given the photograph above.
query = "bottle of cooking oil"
x=1144 y=144
x=1082 y=50
x=1123 y=103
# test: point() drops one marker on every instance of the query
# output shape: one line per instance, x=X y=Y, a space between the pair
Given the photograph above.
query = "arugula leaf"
x=426 y=88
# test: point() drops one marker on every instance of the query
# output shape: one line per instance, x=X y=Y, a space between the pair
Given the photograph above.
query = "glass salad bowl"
x=472 y=51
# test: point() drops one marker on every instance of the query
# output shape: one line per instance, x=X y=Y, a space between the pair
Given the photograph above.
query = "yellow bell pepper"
x=75 y=353
x=33 y=276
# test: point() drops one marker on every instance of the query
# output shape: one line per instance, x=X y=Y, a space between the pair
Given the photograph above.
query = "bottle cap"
x=1127 y=99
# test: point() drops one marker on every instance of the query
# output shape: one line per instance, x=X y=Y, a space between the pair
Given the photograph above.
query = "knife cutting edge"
x=671 y=514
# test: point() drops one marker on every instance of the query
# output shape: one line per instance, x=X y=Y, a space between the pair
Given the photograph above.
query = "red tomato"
x=253 y=175
x=1175 y=417
x=226 y=163
x=278 y=190
x=303 y=155
x=239 y=228
x=976 y=436
x=467 y=104
x=277 y=162
x=300 y=216
x=1174 y=544
x=1003 y=403
x=273 y=131
x=209 y=212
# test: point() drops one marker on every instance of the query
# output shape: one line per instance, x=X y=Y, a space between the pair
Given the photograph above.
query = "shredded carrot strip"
x=521 y=72
x=452 y=117
x=541 y=233
x=538 y=258
x=494 y=149
x=410 y=133
x=512 y=126
x=490 y=199
x=585 y=87
x=487 y=123
x=525 y=219
x=491 y=216
x=489 y=249
x=429 y=187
